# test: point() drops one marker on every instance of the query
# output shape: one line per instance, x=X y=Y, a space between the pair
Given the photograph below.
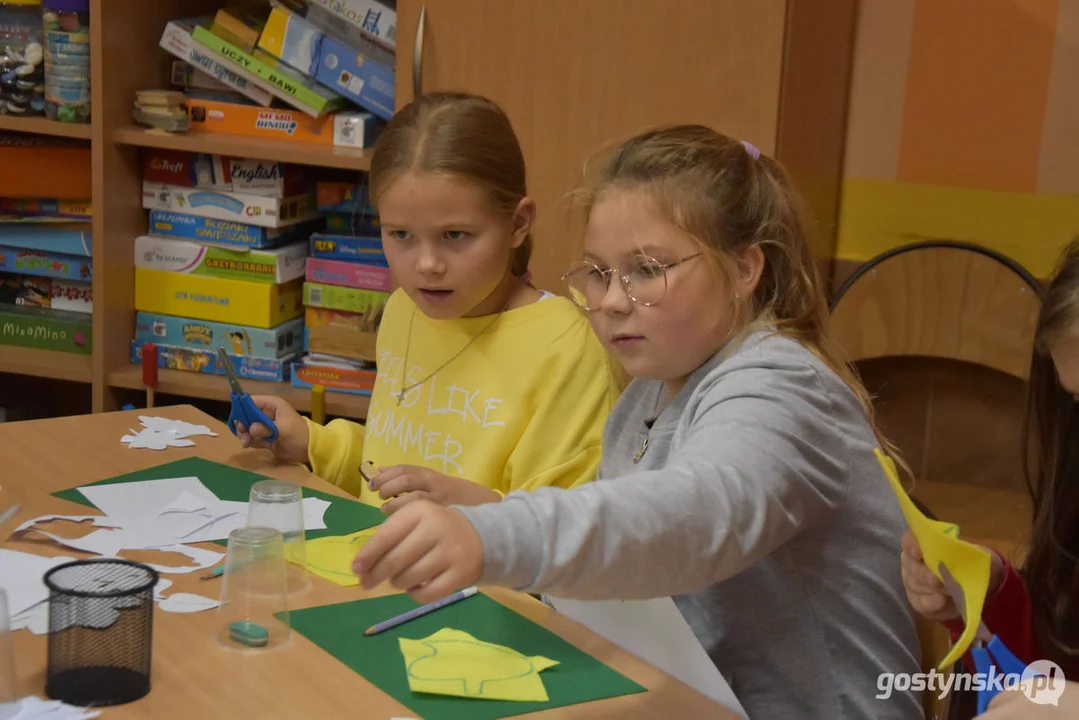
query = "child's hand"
x=1015 y=704
x=292 y=432
x=926 y=592
x=414 y=483
x=427 y=550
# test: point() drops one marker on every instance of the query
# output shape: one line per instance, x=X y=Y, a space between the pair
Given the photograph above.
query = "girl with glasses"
x=738 y=471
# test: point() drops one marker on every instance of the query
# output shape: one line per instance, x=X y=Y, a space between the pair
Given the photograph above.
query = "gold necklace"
x=405 y=389
x=644 y=445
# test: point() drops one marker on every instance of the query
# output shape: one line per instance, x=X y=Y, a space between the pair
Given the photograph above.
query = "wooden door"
x=574 y=75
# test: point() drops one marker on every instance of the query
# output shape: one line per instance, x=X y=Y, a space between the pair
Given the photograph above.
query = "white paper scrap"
x=187 y=603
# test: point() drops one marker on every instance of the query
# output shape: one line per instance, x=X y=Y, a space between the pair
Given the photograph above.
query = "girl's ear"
x=750 y=266
x=523 y=217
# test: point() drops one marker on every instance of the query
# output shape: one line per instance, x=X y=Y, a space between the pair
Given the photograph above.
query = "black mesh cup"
x=100 y=631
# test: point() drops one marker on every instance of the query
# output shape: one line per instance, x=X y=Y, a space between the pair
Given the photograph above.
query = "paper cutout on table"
x=655 y=631
x=969 y=564
x=21 y=576
x=104 y=542
x=148 y=439
x=34 y=618
x=187 y=603
x=202 y=558
x=158 y=433
x=185 y=502
x=331 y=557
x=162 y=585
x=34 y=708
x=452 y=662
x=97 y=520
x=179 y=428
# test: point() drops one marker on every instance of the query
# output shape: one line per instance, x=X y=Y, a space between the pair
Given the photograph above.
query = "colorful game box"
x=272 y=265
x=351 y=225
x=335 y=378
x=63 y=238
x=277 y=342
x=45 y=264
x=238 y=207
x=361 y=71
x=341 y=334
x=46 y=329
x=333 y=297
x=344 y=197
x=206 y=361
x=367 y=250
x=228 y=174
x=177 y=40
x=217 y=299
x=226 y=232
x=349 y=274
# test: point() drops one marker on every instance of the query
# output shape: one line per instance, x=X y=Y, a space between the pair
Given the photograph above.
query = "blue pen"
x=422 y=610
x=243 y=409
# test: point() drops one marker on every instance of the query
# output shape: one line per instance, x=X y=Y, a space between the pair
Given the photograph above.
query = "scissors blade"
x=960 y=599
x=230 y=371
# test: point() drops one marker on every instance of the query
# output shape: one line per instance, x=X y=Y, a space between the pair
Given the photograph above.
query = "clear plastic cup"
x=9 y=689
x=253 y=614
x=279 y=504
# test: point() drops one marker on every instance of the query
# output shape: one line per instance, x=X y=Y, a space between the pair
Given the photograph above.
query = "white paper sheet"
x=34 y=708
x=21 y=577
x=655 y=631
x=187 y=603
x=179 y=428
x=104 y=542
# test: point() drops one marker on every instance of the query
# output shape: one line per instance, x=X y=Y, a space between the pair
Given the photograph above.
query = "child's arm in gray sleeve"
x=763 y=460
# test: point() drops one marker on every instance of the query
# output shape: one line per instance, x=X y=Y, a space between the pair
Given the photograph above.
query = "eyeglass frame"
x=624 y=281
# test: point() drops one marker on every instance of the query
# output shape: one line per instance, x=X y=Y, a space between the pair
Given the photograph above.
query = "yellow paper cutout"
x=452 y=662
x=331 y=557
x=968 y=564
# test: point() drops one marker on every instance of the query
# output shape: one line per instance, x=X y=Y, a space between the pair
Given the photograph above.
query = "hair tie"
x=752 y=150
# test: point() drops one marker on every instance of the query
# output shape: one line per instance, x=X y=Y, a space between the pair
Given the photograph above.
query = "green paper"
x=338 y=629
x=229 y=483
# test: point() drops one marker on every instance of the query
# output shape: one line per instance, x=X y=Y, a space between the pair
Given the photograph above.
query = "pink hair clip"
x=752 y=150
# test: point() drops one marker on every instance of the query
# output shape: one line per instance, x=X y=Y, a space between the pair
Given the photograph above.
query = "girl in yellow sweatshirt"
x=480 y=375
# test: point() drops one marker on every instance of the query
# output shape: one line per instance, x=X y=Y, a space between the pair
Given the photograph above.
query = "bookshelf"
x=43 y=126
x=571 y=77
x=326 y=156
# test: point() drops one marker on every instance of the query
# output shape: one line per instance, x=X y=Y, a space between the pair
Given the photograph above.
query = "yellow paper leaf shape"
x=331 y=557
x=452 y=662
x=968 y=564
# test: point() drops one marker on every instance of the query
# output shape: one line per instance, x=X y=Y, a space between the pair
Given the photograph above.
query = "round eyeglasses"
x=643 y=278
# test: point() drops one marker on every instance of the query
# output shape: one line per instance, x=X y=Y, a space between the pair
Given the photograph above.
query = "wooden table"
x=192 y=676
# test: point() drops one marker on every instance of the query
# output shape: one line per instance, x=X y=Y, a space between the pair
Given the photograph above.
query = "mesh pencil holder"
x=100 y=631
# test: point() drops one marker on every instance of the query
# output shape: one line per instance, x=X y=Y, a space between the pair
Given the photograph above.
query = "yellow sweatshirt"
x=523 y=406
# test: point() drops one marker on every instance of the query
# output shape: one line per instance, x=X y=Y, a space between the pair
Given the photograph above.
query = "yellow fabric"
x=968 y=564
x=522 y=407
x=331 y=557
x=452 y=662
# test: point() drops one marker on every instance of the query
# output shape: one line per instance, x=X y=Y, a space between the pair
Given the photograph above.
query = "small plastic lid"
x=65 y=5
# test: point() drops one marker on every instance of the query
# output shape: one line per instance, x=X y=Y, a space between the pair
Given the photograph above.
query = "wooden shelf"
x=247 y=147
x=216 y=387
x=45 y=363
x=43 y=126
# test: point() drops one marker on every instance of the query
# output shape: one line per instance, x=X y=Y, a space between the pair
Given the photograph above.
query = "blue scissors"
x=243 y=409
x=987 y=648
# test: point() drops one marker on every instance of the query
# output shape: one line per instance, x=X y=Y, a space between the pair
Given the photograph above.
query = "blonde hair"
x=461 y=136
x=729 y=197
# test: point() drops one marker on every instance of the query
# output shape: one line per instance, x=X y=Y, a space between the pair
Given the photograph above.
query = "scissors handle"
x=245 y=410
x=1006 y=661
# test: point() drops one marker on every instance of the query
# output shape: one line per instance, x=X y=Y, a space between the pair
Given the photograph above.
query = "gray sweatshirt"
x=760 y=506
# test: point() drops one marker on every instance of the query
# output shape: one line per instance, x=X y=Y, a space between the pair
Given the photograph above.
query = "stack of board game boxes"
x=223 y=262
x=347 y=284
x=309 y=71
x=45 y=248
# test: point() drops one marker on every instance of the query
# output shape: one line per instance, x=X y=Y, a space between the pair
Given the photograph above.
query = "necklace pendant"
x=640 y=453
x=401 y=396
